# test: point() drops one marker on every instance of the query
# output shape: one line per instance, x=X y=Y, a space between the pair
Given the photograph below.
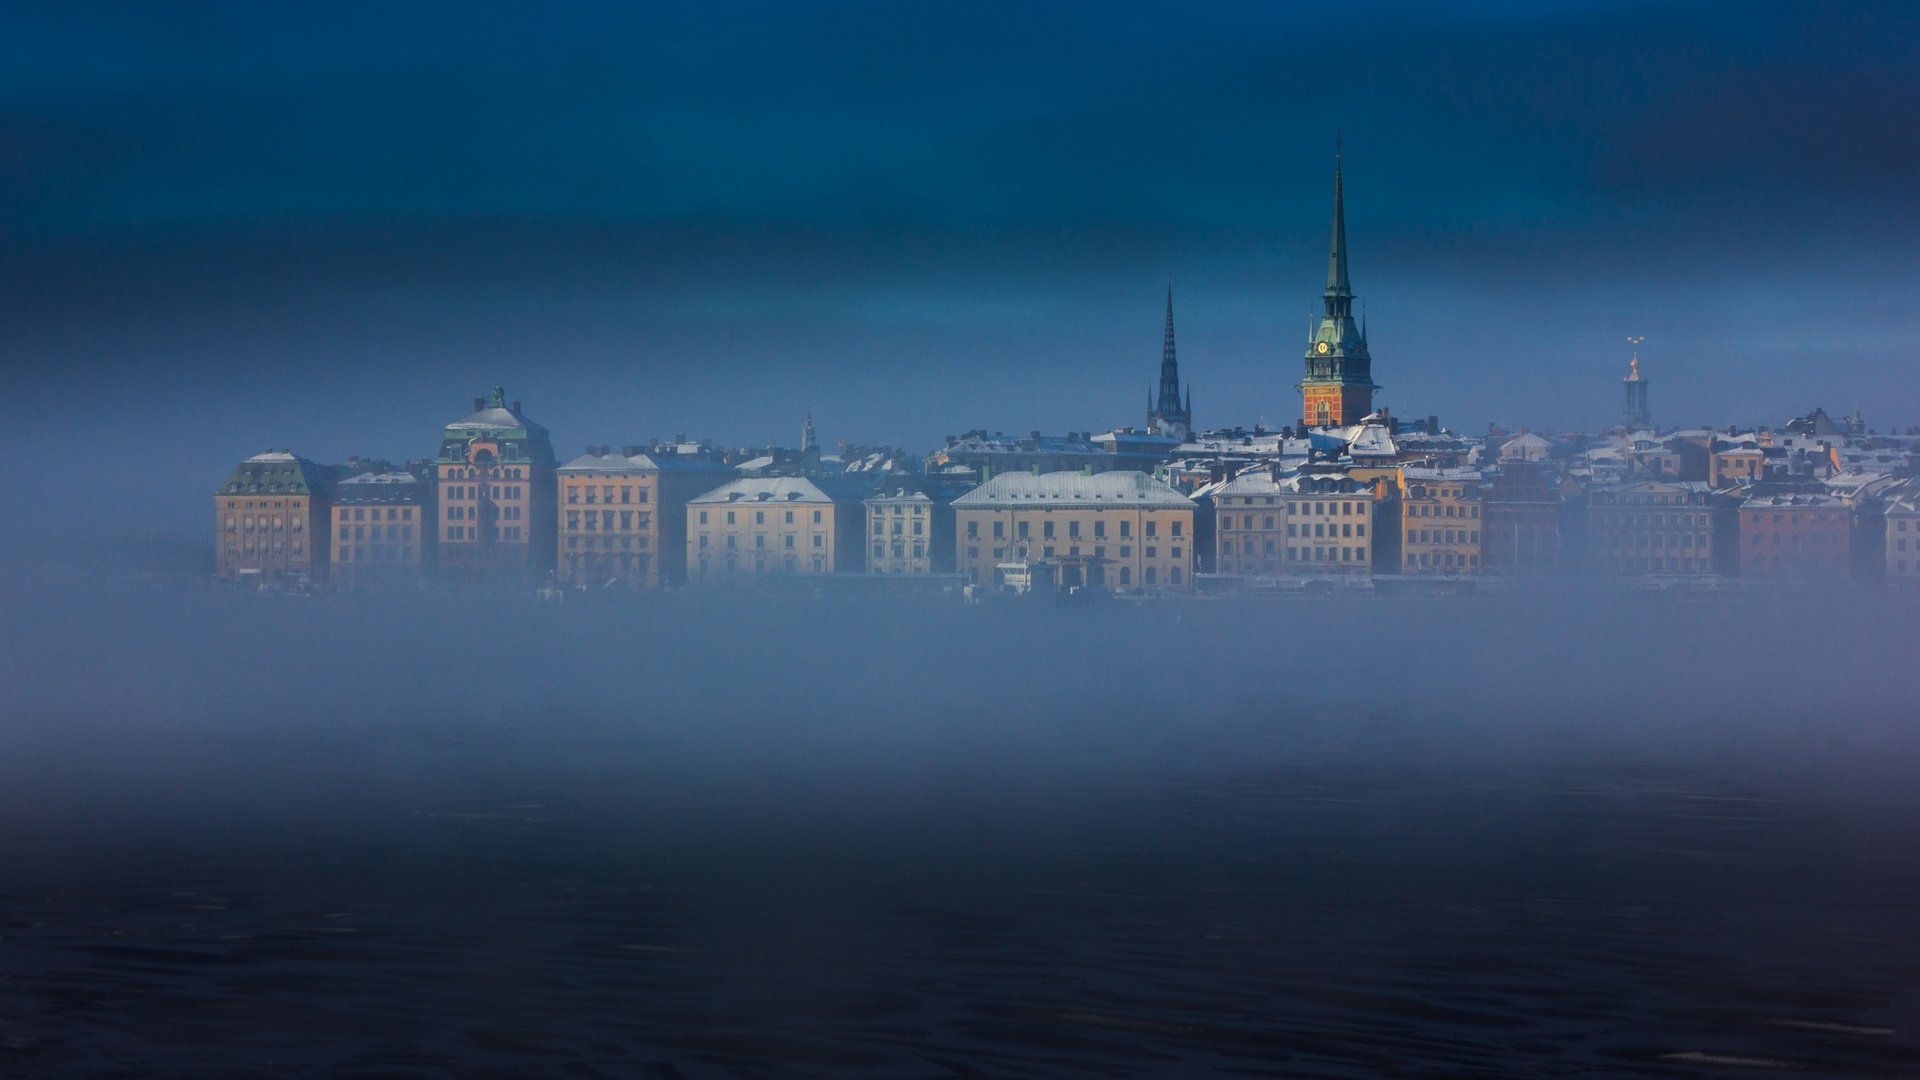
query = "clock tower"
x=1338 y=387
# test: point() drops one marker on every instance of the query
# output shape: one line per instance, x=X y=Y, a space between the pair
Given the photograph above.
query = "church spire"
x=1165 y=411
x=1337 y=284
x=808 y=439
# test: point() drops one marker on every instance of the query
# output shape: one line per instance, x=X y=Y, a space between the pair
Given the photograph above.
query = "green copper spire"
x=1337 y=253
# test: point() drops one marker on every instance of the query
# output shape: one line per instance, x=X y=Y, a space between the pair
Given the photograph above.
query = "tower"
x=1167 y=416
x=809 y=440
x=1338 y=387
x=1636 y=413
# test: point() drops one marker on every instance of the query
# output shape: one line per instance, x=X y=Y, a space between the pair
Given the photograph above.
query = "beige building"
x=1249 y=531
x=1329 y=523
x=382 y=529
x=1903 y=534
x=270 y=520
x=1118 y=529
x=495 y=493
x=909 y=531
x=1440 y=521
x=760 y=526
x=623 y=517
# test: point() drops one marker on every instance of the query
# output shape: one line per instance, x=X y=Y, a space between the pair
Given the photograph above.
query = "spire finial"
x=1337 y=252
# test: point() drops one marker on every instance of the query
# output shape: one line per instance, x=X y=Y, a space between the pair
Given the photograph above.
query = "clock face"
x=1321 y=348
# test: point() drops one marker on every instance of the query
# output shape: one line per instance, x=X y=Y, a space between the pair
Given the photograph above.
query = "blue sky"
x=328 y=229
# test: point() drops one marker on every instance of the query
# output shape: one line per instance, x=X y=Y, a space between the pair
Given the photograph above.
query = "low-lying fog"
x=911 y=837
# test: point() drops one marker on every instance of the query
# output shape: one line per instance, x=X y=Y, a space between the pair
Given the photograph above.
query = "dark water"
x=656 y=850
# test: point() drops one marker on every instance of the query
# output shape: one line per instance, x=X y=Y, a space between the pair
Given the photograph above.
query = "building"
x=1658 y=527
x=496 y=493
x=1521 y=530
x=1249 y=522
x=910 y=530
x=1802 y=534
x=622 y=518
x=270 y=520
x=755 y=527
x=1117 y=529
x=1167 y=415
x=978 y=456
x=383 y=528
x=1636 y=411
x=1903 y=534
x=1328 y=517
x=1338 y=388
x=1440 y=522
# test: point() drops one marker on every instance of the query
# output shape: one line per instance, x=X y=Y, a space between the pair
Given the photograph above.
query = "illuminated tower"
x=1168 y=416
x=1636 y=413
x=1338 y=387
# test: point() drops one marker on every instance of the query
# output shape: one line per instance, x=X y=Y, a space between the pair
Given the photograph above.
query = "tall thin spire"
x=1337 y=283
x=1164 y=411
x=808 y=439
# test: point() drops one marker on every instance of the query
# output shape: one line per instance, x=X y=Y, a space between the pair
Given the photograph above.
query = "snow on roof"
x=495 y=418
x=1103 y=489
x=764 y=489
x=1372 y=440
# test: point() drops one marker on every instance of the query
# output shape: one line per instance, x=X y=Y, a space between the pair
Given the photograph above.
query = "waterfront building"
x=1520 y=533
x=270 y=520
x=1902 y=528
x=1329 y=517
x=1168 y=415
x=383 y=527
x=910 y=530
x=759 y=526
x=622 y=518
x=1440 y=520
x=1338 y=387
x=1659 y=527
x=1117 y=529
x=496 y=492
x=978 y=456
x=1799 y=534
x=1249 y=522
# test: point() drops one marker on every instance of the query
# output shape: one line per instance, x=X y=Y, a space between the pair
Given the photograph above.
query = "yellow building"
x=623 y=517
x=1440 y=521
x=1329 y=522
x=1118 y=529
x=382 y=529
x=270 y=521
x=767 y=525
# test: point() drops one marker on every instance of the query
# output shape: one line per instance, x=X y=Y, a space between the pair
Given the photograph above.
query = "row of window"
x=760 y=540
x=1024 y=530
x=375 y=553
x=1417 y=509
x=456 y=492
x=760 y=517
x=250 y=548
x=359 y=532
x=363 y=513
x=510 y=533
x=247 y=523
x=1440 y=560
x=899 y=549
x=919 y=528
x=606 y=492
x=626 y=543
x=1443 y=536
x=603 y=520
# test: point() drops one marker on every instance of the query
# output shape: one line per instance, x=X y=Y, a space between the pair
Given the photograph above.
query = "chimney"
x=479 y=403
x=1433 y=424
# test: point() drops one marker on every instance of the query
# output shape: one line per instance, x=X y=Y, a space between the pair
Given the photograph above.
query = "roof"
x=386 y=487
x=1124 y=488
x=772 y=489
x=274 y=472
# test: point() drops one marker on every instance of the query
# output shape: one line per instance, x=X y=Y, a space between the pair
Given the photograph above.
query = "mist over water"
x=1583 y=834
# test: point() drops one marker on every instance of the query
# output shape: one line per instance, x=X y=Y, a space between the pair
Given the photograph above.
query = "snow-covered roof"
x=765 y=489
x=1073 y=488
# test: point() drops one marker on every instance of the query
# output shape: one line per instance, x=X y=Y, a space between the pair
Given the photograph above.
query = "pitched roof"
x=1069 y=488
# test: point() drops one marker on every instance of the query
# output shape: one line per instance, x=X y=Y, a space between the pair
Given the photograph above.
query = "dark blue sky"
x=243 y=226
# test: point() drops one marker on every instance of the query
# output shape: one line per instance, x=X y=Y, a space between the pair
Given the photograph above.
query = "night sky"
x=234 y=225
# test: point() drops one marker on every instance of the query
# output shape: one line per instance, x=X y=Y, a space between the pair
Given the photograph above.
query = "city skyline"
x=640 y=250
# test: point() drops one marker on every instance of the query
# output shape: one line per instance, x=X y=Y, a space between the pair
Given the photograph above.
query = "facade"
x=1167 y=415
x=383 y=528
x=1521 y=534
x=757 y=527
x=496 y=493
x=1440 y=521
x=1329 y=517
x=1795 y=535
x=1117 y=529
x=1249 y=523
x=1657 y=527
x=1903 y=535
x=270 y=521
x=1338 y=388
x=910 y=531
x=622 y=518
